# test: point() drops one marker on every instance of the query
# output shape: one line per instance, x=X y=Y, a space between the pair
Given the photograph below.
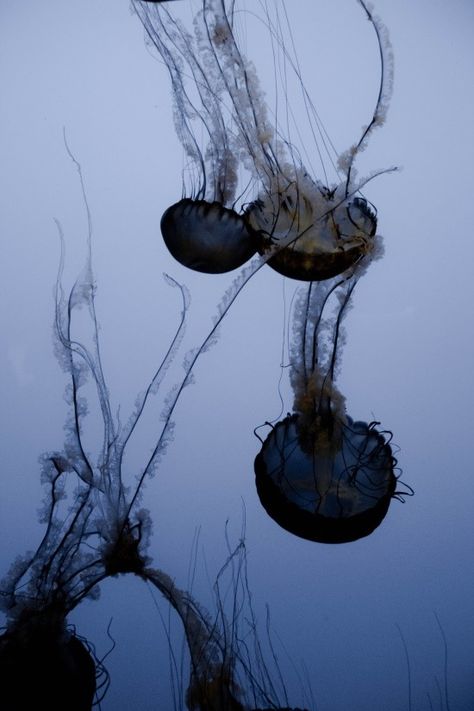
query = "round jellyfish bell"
x=331 y=233
x=206 y=236
x=45 y=668
x=331 y=486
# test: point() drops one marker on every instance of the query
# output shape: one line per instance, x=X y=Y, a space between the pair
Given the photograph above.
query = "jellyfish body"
x=45 y=668
x=203 y=231
x=335 y=488
x=246 y=187
x=333 y=233
x=320 y=474
x=206 y=236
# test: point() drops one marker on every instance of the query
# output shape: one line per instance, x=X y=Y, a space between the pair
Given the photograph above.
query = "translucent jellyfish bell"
x=333 y=488
x=319 y=474
x=206 y=236
x=333 y=233
x=245 y=188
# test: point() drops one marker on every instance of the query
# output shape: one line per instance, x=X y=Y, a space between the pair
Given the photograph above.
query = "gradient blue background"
x=408 y=361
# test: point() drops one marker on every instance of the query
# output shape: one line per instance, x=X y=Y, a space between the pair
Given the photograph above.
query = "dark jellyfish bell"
x=44 y=670
x=335 y=491
x=207 y=237
x=325 y=247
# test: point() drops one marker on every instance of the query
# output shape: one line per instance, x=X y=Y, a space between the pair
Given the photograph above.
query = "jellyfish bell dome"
x=331 y=483
x=45 y=668
x=206 y=236
x=327 y=233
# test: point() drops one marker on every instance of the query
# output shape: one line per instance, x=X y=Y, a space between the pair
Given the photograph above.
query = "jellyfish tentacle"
x=160 y=373
x=249 y=109
x=228 y=667
x=347 y=159
x=174 y=395
x=86 y=288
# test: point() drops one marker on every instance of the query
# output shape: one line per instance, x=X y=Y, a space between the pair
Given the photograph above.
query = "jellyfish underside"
x=332 y=485
x=326 y=233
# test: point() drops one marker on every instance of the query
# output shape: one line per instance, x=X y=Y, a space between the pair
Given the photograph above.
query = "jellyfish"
x=94 y=530
x=45 y=665
x=320 y=474
x=203 y=231
x=246 y=190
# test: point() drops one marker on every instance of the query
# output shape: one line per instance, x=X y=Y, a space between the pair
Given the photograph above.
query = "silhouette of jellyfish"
x=43 y=665
x=204 y=232
x=319 y=474
x=92 y=531
x=248 y=189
